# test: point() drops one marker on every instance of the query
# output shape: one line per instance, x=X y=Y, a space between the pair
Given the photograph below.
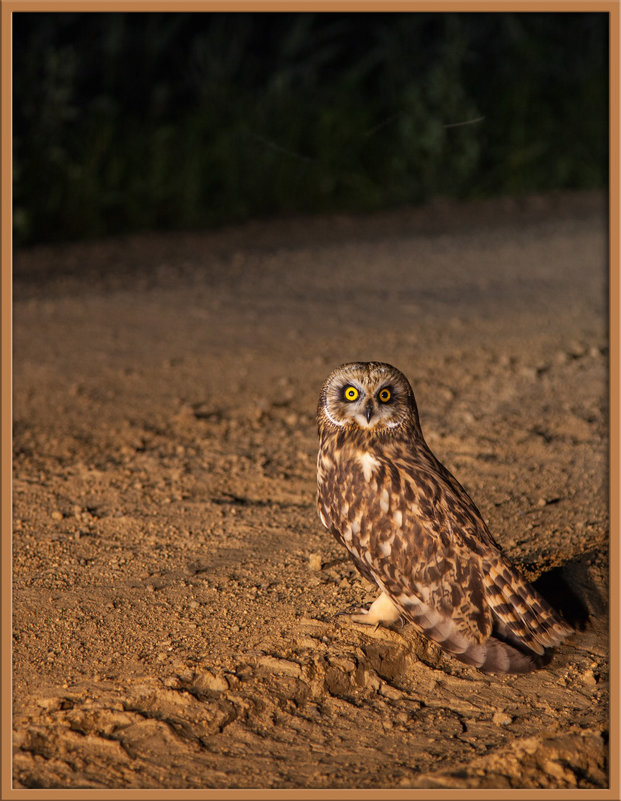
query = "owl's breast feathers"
x=411 y=528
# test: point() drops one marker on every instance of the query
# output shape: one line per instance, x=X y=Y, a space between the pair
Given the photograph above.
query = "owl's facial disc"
x=366 y=395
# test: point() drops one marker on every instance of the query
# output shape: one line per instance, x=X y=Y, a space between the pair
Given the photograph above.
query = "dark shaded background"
x=135 y=121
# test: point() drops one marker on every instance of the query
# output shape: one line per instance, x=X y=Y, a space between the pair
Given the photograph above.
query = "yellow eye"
x=384 y=395
x=351 y=393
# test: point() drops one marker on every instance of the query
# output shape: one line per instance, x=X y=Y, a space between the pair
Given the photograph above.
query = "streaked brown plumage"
x=412 y=529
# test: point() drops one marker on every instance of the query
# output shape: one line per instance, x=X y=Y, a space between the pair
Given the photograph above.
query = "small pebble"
x=588 y=677
x=314 y=561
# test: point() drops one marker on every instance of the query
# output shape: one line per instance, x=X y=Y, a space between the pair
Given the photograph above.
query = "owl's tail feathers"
x=525 y=628
x=497 y=656
x=522 y=619
x=501 y=652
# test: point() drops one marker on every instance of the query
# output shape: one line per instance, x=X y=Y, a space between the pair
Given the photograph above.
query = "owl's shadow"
x=572 y=590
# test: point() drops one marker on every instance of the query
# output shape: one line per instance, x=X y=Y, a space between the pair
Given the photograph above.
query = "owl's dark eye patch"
x=385 y=394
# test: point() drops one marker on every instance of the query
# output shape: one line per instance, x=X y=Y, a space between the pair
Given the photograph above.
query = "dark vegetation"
x=128 y=121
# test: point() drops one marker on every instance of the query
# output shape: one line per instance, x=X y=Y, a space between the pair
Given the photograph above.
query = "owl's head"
x=371 y=396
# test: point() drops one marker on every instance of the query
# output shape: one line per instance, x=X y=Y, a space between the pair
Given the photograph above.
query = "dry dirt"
x=175 y=595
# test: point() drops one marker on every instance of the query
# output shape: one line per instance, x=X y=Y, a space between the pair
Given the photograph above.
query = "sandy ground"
x=175 y=595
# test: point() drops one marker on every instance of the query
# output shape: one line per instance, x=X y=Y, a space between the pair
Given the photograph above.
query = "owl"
x=413 y=531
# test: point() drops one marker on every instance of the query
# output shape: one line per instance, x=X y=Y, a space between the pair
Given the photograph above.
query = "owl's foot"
x=381 y=611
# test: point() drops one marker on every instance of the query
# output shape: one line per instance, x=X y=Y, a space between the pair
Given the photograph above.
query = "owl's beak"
x=368 y=410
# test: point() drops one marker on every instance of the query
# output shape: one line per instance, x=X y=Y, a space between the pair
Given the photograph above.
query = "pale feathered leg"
x=381 y=611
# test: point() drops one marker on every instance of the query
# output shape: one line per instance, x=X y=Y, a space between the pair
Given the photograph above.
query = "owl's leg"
x=382 y=610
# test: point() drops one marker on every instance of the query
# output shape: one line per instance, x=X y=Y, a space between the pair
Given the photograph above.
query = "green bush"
x=187 y=120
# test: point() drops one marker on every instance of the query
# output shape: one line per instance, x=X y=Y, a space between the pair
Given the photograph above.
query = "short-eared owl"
x=412 y=529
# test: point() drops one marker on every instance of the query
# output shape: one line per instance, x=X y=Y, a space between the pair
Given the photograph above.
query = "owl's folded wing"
x=444 y=572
